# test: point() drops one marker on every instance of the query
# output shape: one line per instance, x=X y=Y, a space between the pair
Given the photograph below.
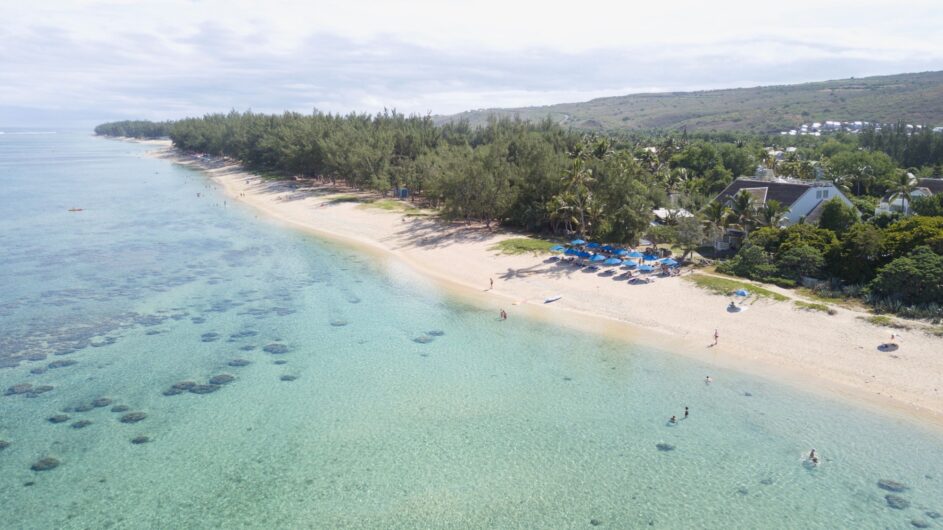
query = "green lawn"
x=727 y=286
x=523 y=245
x=390 y=205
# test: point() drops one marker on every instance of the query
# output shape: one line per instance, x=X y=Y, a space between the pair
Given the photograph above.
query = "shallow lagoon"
x=486 y=424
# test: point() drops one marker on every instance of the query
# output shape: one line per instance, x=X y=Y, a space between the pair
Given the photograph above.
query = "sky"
x=81 y=62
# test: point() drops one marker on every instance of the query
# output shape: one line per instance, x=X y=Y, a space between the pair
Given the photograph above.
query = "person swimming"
x=673 y=420
x=812 y=458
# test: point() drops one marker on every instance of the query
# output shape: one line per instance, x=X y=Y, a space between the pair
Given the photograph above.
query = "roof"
x=934 y=185
x=787 y=193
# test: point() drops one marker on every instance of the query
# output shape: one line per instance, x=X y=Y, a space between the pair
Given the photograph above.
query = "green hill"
x=914 y=98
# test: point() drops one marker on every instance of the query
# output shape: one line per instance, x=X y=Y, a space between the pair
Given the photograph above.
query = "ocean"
x=354 y=393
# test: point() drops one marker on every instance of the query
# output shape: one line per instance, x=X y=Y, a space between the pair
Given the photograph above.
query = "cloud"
x=115 y=58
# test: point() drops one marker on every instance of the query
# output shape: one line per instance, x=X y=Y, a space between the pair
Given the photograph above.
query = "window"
x=818 y=194
x=825 y=194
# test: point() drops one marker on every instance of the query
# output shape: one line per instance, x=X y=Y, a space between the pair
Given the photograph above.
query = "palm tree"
x=716 y=215
x=770 y=161
x=772 y=213
x=579 y=194
x=903 y=187
x=742 y=210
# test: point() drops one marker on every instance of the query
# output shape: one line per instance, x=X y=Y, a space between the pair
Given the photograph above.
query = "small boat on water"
x=76 y=209
x=552 y=298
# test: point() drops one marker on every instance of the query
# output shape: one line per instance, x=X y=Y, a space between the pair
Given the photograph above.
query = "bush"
x=800 y=260
x=915 y=279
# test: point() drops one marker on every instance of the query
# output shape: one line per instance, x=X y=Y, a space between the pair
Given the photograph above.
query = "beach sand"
x=835 y=355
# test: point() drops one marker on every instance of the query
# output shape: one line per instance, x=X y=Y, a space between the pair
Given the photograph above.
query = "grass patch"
x=727 y=286
x=812 y=306
x=338 y=199
x=523 y=245
x=885 y=321
x=390 y=205
x=936 y=332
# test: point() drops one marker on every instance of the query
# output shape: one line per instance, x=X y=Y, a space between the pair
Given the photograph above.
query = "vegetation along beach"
x=378 y=265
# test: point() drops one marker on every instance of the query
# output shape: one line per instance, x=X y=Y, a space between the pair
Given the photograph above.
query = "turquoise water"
x=407 y=408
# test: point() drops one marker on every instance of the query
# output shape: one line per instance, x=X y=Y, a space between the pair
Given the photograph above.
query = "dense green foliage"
x=913 y=98
x=914 y=279
x=135 y=129
x=908 y=148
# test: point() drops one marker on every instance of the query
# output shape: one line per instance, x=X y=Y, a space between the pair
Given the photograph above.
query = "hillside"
x=915 y=98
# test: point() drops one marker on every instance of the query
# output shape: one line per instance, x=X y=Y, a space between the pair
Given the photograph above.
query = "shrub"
x=914 y=279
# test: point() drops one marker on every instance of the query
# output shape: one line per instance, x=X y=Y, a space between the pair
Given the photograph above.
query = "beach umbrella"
x=635 y=254
x=577 y=242
x=668 y=261
x=649 y=257
x=622 y=252
x=592 y=245
x=612 y=261
x=646 y=268
x=742 y=292
x=557 y=248
x=571 y=252
x=597 y=258
x=583 y=254
x=607 y=248
x=629 y=264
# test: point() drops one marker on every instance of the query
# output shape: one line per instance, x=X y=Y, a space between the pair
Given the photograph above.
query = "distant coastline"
x=832 y=355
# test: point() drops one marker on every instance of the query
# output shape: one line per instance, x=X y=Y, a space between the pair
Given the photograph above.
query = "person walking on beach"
x=504 y=315
x=492 y=283
x=716 y=336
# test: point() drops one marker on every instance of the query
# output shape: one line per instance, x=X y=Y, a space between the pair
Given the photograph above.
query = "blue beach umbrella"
x=597 y=258
x=577 y=242
x=557 y=248
x=646 y=268
x=649 y=257
x=592 y=245
x=571 y=252
x=668 y=261
x=635 y=254
x=583 y=254
x=607 y=248
x=629 y=264
x=742 y=292
x=612 y=261
x=622 y=252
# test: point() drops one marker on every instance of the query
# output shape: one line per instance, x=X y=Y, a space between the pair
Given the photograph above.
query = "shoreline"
x=831 y=356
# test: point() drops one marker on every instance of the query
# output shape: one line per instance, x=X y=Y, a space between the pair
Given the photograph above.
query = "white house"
x=802 y=199
x=898 y=204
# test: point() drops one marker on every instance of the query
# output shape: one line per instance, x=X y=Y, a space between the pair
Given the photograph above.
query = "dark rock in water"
x=120 y=408
x=101 y=402
x=239 y=362
x=83 y=408
x=9 y=363
x=38 y=371
x=153 y=332
x=184 y=385
x=919 y=523
x=36 y=357
x=45 y=464
x=81 y=424
x=595 y=522
x=247 y=347
x=221 y=379
x=896 y=501
x=288 y=377
x=747 y=394
x=41 y=389
x=743 y=491
x=423 y=339
x=244 y=333
x=665 y=447
x=892 y=485
x=58 y=418
x=133 y=417
x=138 y=440
x=435 y=333
x=276 y=348
x=21 y=388
x=61 y=364
x=932 y=515
x=29 y=483
x=766 y=482
x=209 y=337
x=173 y=392
x=4 y=444
x=204 y=389
x=198 y=320
x=338 y=323
x=280 y=361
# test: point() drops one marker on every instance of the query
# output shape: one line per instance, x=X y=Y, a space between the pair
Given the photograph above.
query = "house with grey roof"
x=803 y=200
x=893 y=203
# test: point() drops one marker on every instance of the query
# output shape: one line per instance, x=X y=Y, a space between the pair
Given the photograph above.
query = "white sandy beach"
x=831 y=354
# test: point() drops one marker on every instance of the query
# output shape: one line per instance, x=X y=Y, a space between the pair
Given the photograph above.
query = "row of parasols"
x=611 y=256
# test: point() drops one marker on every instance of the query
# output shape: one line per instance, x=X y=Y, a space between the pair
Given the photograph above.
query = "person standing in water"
x=685 y=412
